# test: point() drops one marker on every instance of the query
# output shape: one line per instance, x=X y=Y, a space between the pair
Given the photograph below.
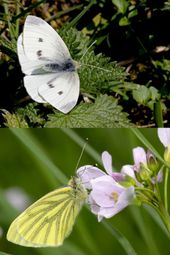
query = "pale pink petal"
x=139 y=156
x=118 y=177
x=104 y=178
x=128 y=170
x=164 y=136
x=109 y=212
x=159 y=176
x=88 y=173
x=103 y=190
x=94 y=207
x=107 y=162
x=125 y=199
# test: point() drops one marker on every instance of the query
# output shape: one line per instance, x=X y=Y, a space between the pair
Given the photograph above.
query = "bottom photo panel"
x=84 y=191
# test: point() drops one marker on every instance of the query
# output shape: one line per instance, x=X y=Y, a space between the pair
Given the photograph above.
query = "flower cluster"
x=110 y=192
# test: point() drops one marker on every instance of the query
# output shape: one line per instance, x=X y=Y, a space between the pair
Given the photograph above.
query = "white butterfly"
x=45 y=60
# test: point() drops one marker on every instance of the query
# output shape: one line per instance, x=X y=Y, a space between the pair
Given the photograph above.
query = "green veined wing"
x=49 y=220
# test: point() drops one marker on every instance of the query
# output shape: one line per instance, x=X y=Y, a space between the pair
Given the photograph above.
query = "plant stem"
x=165 y=217
x=166 y=189
x=158 y=114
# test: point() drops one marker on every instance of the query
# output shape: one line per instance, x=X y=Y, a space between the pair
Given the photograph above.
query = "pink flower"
x=89 y=172
x=144 y=165
x=107 y=197
x=164 y=136
x=139 y=157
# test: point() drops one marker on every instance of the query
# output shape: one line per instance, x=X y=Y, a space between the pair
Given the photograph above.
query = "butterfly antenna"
x=88 y=49
x=84 y=146
x=97 y=67
x=100 y=68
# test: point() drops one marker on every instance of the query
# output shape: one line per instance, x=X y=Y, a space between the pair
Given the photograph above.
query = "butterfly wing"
x=61 y=92
x=28 y=66
x=48 y=221
x=32 y=84
x=44 y=58
x=42 y=42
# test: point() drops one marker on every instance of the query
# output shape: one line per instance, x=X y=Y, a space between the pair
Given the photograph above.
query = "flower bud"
x=167 y=154
x=152 y=161
x=144 y=173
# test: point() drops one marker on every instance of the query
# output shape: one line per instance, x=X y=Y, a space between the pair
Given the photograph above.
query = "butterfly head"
x=79 y=189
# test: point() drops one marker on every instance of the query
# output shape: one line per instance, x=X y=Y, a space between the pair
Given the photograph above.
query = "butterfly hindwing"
x=48 y=221
x=32 y=84
x=61 y=92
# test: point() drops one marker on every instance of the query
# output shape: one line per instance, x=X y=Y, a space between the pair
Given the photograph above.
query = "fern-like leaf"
x=104 y=113
x=14 y=120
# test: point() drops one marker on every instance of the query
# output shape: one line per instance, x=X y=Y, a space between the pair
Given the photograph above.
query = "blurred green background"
x=36 y=161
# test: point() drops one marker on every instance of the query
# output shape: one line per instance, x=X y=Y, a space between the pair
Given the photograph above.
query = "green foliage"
x=14 y=120
x=31 y=115
x=103 y=113
x=166 y=5
x=96 y=73
x=111 y=27
x=164 y=65
x=8 y=47
x=4 y=253
x=147 y=96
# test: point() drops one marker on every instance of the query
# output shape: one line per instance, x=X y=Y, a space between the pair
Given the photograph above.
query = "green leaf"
x=142 y=94
x=154 y=93
x=121 y=5
x=104 y=113
x=8 y=47
x=124 y=21
x=31 y=114
x=4 y=253
x=14 y=120
x=95 y=71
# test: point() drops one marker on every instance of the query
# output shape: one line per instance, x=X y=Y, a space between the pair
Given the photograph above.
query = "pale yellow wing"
x=49 y=220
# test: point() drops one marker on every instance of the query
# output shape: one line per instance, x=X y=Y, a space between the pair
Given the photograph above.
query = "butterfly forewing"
x=42 y=42
x=28 y=66
x=49 y=220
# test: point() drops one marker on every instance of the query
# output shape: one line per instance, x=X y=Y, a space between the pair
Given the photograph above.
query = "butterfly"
x=49 y=220
x=50 y=72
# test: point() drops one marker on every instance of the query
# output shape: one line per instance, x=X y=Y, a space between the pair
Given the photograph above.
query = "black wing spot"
x=60 y=92
x=50 y=85
x=39 y=53
x=40 y=39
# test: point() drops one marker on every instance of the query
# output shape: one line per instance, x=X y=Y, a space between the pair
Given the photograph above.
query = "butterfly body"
x=67 y=66
x=44 y=56
x=50 y=220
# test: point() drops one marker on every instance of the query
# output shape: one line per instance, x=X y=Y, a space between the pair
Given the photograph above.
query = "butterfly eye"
x=69 y=66
x=60 y=92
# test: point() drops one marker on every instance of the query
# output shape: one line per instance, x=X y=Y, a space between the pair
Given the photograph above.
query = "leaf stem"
x=166 y=189
x=158 y=114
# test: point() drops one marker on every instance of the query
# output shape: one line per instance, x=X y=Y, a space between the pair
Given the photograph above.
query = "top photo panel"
x=84 y=64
